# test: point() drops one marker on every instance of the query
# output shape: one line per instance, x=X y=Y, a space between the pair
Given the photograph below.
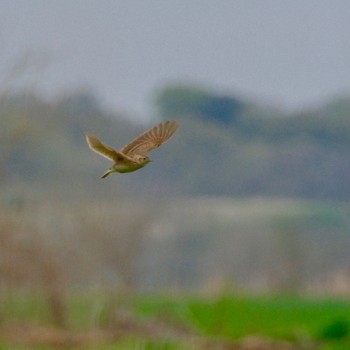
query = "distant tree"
x=222 y=108
x=179 y=100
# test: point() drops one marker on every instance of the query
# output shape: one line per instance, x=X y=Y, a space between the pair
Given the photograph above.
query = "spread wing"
x=151 y=139
x=108 y=152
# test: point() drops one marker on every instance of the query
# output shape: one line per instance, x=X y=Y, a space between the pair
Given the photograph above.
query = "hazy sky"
x=292 y=53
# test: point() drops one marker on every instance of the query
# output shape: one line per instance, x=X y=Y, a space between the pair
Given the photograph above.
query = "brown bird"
x=133 y=156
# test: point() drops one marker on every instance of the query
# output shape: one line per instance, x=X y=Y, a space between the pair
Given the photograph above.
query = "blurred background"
x=250 y=197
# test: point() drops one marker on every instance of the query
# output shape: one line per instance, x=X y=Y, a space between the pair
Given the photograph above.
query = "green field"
x=178 y=322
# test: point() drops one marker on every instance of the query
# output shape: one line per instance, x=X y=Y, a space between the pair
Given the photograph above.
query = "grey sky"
x=292 y=53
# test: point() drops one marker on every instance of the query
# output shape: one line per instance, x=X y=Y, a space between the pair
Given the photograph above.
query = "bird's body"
x=133 y=156
x=126 y=167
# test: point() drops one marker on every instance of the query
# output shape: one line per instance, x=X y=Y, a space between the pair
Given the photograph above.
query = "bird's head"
x=143 y=159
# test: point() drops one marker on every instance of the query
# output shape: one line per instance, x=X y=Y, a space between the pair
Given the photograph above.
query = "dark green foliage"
x=337 y=329
x=179 y=100
x=222 y=108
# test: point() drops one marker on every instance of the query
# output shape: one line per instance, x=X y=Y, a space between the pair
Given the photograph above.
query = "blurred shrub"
x=336 y=329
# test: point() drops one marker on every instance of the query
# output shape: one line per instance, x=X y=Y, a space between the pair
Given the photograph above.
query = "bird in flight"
x=133 y=156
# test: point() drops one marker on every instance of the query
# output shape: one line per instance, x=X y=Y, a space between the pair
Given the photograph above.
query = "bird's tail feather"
x=109 y=171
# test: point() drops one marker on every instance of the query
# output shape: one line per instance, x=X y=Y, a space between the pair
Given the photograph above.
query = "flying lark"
x=133 y=156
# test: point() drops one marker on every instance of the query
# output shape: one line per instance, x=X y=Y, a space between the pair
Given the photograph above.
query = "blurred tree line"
x=240 y=147
x=226 y=145
x=328 y=125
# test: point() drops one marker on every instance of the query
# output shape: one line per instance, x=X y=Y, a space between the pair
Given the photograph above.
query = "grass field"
x=179 y=322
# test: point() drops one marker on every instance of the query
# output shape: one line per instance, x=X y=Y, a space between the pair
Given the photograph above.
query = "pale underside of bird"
x=134 y=155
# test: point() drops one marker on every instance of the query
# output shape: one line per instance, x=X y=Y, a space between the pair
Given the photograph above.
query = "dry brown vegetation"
x=123 y=329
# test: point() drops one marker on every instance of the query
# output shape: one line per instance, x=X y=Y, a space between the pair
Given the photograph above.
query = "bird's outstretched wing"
x=108 y=152
x=150 y=139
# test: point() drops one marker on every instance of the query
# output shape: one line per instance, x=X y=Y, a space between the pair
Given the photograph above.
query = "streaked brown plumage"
x=133 y=156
